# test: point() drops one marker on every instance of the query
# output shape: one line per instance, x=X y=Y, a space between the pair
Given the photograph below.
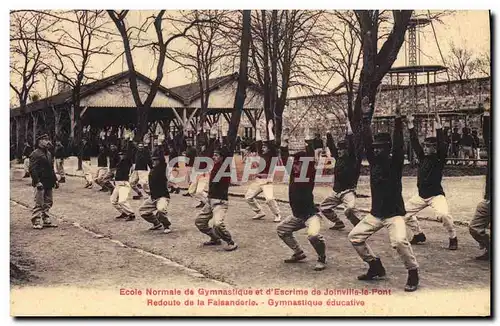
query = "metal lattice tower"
x=412 y=61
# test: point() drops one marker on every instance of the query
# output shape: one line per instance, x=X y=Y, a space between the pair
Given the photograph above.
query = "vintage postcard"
x=330 y=163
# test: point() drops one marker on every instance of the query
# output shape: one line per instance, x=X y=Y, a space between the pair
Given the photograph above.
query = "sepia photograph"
x=263 y=162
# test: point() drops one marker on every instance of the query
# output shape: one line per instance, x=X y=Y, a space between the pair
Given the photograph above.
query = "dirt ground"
x=91 y=255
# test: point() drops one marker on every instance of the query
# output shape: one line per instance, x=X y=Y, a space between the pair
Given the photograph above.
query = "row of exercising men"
x=386 y=159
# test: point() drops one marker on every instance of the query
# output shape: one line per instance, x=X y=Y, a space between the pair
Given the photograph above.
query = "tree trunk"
x=239 y=100
x=376 y=64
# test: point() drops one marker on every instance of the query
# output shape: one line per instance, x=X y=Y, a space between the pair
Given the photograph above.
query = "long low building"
x=108 y=103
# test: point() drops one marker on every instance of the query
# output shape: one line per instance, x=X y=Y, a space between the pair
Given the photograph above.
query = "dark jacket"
x=158 y=181
x=143 y=160
x=467 y=140
x=208 y=152
x=191 y=155
x=113 y=159
x=102 y=159
x=85 y=152
x=300 y=194
x=430 y=167
x=385 y=174
x=345 y=166
x=219 y=189
x=41 y=168
x=123 y=169
x=60 y=152
x=159 y=151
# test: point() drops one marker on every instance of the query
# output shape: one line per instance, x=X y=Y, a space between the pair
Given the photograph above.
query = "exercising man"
x=139 y=175
x=388 y=208
x=43 y=179
x=344 y=181
x=155 y=208
x=264 y=179
x=27 y=150
x=102 y=168
x=304 y=211
x=86 y=164
x=431 y=161
x=119 y=196
x=217 y=204
x=60 y=155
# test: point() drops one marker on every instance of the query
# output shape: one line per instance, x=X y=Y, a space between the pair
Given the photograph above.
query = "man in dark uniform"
x=263 y=182
x=60 y=155
x=388 y=208
x=431 y=161
x=85 y=152
x=217 y=204
x=155 y=208
x=119 y=196
x=43 y=180
x=199 y=182
x=304 y=211
x=113 y=162
x=27 y=150
x=344 y=181
x=139 y=175
x=482 y=217
x=455 y=144
x=102 y=168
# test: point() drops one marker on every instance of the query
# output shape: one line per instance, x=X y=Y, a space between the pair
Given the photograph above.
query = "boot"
x=376 y=270
x=187 y=194
x=321 y=264
x=412 y=282
x=296 y=257
x=26 y=175
x=212 y=242
x=123 y=215
x=338 y=226
x=231 y=246
x=136 y=197
x=453 y=243
x=130 y=218
x=485 y=256
x=37 y=223
x=418 y=238
x=156 y=226
x=200 y=205
x=62 y=180
x=47 y=223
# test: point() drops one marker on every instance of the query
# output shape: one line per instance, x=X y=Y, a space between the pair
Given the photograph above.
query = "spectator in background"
x=27 y=150
x=455 y=144
x=476 y=144
x=60 y=155
x=466 y=145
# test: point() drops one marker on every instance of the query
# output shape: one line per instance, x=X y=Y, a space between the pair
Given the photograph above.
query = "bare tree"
x=208 y=48
x=483 y=64
x=159 y=47
x=72 y=66
x=341 y=53
x=26 y=53
x=239 y=99
x=461 y=63
x=280 y=56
